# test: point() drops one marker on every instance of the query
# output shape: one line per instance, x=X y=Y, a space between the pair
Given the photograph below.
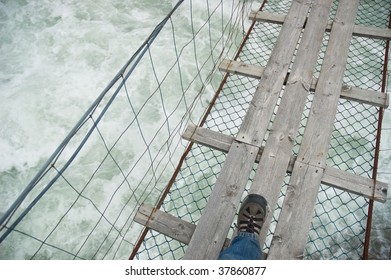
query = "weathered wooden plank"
x=332 y=177
x=167 y=224
x=356 y=184
x=287 y=224
x=297 y=211
x=290 y=236
x=220 y=210
x=267 y=17
x=370 y=97
x=372 y=32
x=316 y=140
x=214 y=224
x=164 y=223
x=271 y=171
x=358 y=30
x=369 y=32
x=256 y=121
x=212 y=139
x=209 y=138
x=241 y=68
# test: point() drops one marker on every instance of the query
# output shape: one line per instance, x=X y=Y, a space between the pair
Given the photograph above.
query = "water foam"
x=55 y=57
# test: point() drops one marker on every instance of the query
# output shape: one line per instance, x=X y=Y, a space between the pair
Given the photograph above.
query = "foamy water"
x=56 y=56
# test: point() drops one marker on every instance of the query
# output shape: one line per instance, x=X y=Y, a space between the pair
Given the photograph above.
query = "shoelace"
x=250 y=224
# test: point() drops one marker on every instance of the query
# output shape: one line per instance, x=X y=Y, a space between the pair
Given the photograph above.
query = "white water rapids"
x=56 y=56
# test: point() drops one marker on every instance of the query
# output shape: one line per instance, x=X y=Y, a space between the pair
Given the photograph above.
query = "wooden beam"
x=370 y=97
x=372 y=32
x=294 y=222
x=167 y=224
x=208 y=138
x=221 y=208
x=272 y=168
x=332 y=177
x=164 y=223
x=358 y=30
x=291 y=233
x=267 y=17
x=256 y=121
x=215 y=222
x=241 y=68
x=356 y=184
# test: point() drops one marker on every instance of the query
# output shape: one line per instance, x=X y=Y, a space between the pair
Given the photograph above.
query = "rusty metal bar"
x=377 y=151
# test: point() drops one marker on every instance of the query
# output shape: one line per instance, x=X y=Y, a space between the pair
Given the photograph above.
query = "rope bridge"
x=83 y=202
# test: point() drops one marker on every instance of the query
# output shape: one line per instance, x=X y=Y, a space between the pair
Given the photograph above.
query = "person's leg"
x=245 y=246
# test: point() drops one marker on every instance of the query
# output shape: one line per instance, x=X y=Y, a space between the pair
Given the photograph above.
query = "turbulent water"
x=56 y=56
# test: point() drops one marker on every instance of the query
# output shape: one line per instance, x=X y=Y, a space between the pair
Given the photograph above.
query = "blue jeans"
x=245 y=246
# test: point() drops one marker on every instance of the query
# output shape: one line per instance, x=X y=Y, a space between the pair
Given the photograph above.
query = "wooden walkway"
x=304 y=26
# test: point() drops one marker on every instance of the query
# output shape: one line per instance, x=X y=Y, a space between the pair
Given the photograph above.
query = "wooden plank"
x=241 y=68
x=167 y=224
x=209 y=138
x=271 y=171
x=363 y=96
x=214 y=224
x=332 y=177
x=316 y=140
x=369 y=97
x=372 y=32
x=256 y=121
x=221 y=208
x=267 y=17
x=290 y=236
x=164 y=223
x=356 y=184
x=297 y=211
x=358 y=30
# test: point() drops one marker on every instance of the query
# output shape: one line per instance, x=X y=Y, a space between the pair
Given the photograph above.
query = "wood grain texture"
x=364 y=96
x=167 y=224
x=358 y=30
x=295 y=218
x=274 y=163
x=256 y=121
x=290 y=236
x=222 y=205
x=332 y=176
x=215 y=222
x=164 y=223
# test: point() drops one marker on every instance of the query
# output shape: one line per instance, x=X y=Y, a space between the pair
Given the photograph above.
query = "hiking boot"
x=252 y=214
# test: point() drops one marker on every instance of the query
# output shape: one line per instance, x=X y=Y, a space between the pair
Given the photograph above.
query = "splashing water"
x=55 y=56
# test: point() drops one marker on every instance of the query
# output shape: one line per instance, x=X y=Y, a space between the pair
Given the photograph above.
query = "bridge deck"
x=289 y=71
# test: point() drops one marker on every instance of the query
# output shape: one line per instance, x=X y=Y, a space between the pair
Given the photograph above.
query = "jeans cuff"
x=248 y=234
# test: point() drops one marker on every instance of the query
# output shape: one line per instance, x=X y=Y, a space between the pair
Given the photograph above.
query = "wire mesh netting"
x=97 y=179
x=82 y=203
x=338 y=225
